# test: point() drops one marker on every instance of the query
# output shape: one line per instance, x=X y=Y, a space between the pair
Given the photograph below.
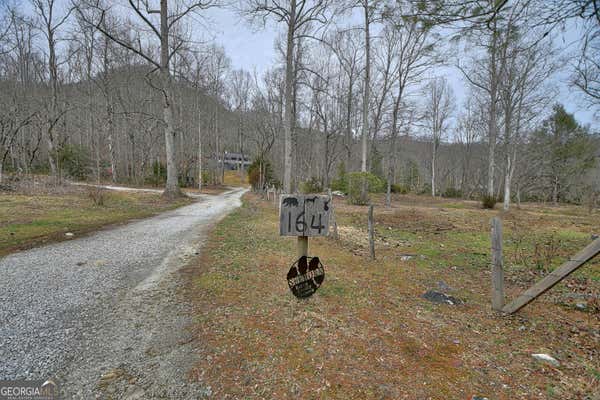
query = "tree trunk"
x=509 y=164
x=507 y=182
x=492 y=125
x=287 y=115
x=433 y=171
x=349 y=125
x=51 y=161
x=367 y=88
x=171 y=187
x=53 y=69
x=110 y=131
x=199 y=152
x=260 y=174
x=223 y=168
x=218 y=151
x=242 y=173
x=392 y=150
x=110 y=137
x=388 y=193
x=491 y=150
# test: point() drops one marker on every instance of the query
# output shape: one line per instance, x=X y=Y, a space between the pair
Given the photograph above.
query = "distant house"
x=233 y=161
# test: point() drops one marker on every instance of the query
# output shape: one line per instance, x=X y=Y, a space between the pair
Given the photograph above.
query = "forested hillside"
x=84 y=97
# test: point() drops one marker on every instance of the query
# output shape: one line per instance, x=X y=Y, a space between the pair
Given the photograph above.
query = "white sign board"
x=304 y=215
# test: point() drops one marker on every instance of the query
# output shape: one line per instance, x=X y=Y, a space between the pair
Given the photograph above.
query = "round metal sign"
x=305 y=276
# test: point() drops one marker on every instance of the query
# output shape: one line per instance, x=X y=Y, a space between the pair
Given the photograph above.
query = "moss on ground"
x=368 y=334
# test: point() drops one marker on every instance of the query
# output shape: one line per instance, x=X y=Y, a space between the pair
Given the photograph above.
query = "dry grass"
x=233 y=178
x=368 y=334
x=33 y=217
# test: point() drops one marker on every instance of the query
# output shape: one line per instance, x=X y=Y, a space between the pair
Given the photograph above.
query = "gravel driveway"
x=101 y=315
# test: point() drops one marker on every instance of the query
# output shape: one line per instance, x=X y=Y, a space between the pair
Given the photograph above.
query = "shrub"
x=488 y=201
x=452 y=193
x=254 y=177
x=254 y=174
x=360 y=184
x=341 y=182
x=74 y=161
x=184 y=180
x=313 y=185
x=425 y=189
x=398 y=188
x=97 y=195
x=205 y=177
x=159 y=174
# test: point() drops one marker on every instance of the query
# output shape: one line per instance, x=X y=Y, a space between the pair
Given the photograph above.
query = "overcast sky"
x=253 y=49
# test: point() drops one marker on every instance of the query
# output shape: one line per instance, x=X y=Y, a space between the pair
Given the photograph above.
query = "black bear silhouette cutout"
x=290 y=202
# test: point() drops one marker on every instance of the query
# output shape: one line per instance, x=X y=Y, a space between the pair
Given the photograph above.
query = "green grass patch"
x=26 y=221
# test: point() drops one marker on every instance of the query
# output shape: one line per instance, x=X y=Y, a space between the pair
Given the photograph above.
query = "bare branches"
x=7 y=21
x=470 y=12
x=92 y=12
x=136 y=9
x=46 y=9
x=265 y=9
x=586 y=76
x=190 y=8
x=95 y=12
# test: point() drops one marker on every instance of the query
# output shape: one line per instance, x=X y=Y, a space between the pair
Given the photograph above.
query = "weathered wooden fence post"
x=302 y=246
x=497 y=265
x=371 y=233
x=332 y=219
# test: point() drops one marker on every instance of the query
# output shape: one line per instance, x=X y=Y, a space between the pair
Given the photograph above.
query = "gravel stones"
x=78 y=309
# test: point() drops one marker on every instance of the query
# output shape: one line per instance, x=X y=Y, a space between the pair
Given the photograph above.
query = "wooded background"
x=126 y=90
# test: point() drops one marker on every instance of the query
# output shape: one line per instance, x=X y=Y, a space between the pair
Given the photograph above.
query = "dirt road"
x=101 y=315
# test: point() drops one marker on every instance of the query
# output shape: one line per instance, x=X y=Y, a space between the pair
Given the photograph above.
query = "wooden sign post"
x=497 y=266
x=304 y=216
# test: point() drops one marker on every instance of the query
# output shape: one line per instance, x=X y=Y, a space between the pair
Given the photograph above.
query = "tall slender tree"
x=437 y=114
x=298 y=16
x=95 y=11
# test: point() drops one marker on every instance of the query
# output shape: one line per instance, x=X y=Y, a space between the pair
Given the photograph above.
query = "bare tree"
x=437 y=114
x=470 y=128
x=553 y=14
x=267 y=110
x=241 y=93
x=216 y=70
x=12 y=121
x=412 y=55
x=326 y=111
x=486 y=72
x=371 y=13
x=6 y=20
x=587 y=69
x=49 y=22
x=347 y=48
x=297 y=15
x=168 y=21
x=527 y=69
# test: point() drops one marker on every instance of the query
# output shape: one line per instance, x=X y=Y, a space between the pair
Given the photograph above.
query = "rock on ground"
x=546 y=359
